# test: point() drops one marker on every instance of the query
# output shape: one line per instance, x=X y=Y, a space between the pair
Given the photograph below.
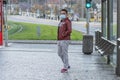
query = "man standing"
x=64 y=31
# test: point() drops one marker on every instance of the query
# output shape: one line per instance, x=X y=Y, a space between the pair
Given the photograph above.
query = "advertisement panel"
x=1 y=22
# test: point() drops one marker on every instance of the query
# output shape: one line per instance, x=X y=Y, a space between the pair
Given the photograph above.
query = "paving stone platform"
x=41 y=62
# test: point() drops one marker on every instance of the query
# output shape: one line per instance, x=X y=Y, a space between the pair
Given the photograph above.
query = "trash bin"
x=87 y=44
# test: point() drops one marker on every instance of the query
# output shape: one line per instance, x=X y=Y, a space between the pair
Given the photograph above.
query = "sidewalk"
x=41 y=62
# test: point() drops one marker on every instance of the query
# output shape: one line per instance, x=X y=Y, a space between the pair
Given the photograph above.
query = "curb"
x=42 y=42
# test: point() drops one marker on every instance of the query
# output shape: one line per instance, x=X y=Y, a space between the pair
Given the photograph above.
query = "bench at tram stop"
x=102 y=45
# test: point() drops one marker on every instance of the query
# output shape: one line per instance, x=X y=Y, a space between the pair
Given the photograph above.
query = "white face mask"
x=62 y=16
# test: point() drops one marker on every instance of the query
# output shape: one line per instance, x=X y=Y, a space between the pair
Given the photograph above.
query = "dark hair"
x=64 y=10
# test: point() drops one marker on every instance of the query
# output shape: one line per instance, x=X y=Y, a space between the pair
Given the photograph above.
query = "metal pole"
x=118 y=36
x=31 y=3
x=88 y=19
x=9 y=6
x=5 y=25
x=110 y=19
x=110 y=23
x=45 y=7
x=104 y=24
x=82 y=15
x=118 y=56
x=60 y=4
